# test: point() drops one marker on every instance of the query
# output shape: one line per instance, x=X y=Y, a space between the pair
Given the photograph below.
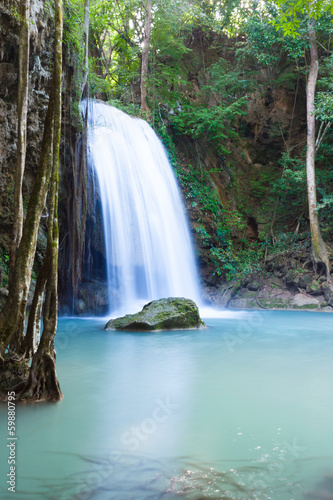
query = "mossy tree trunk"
x=145 y=58
x=12 y=316
x=22 y=110
x=319 y=250
x=42 y=382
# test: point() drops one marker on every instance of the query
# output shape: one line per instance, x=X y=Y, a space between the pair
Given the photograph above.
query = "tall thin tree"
x=319 y=250
x=22 y=109
x=86 y=46
x=289 y=23
x=145 y=57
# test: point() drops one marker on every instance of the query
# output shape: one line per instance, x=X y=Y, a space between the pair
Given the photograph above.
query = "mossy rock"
x=174 y=313
x=274 y=303
x=314 y=288
x=254 y=286
x=327 y=289
x=292 y=278
x=246 y=294
x=305 y=280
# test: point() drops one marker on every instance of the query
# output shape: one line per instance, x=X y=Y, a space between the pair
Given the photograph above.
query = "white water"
x=148 y=245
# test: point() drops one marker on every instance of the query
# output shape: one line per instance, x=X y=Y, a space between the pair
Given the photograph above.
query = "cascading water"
x=148 y=246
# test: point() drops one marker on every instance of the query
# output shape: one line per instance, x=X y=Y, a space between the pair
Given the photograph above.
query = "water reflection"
x=132 y=477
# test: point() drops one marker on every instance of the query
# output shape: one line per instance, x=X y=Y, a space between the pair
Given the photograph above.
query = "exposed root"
x=14 y=372
x=259 y=304
x=42 y=384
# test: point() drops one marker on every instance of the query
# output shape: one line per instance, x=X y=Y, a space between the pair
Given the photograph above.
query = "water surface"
x=241 y=410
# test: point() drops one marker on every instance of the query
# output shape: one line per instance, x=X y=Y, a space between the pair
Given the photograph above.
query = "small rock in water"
x=173 y=313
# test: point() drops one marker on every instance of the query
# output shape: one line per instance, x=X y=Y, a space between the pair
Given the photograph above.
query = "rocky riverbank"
x=287 y=281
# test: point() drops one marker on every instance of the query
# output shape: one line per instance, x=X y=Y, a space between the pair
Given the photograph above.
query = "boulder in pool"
x=174 y=313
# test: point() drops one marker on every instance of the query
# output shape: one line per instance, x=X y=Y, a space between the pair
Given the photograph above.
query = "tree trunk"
x=80 y=201
x=22 y=109
x=86 y=47
x=319 y=251
x=42 y=383
x=35 y=315
x=12 y=317
x=145 y=58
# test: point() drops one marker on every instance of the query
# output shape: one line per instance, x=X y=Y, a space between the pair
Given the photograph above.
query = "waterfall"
x=148 y=246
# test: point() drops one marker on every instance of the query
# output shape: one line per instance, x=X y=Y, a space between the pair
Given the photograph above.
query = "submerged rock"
x=174 y=313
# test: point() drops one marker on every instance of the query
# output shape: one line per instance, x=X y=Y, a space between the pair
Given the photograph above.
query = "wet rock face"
x=165 y=314
x=8 y=116
x=92 y=297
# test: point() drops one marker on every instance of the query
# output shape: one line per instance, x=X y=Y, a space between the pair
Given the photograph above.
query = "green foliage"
x=237 y=263
x=324 y=95
x=199 y=189
x=214 y=122
x=215 y=224
x=129 y=108
x=203 y=235
x=221 y=103
x=324 y=175
x=266 y=45
x=260 y=183
x=116 y=34
x=291 y=187
x=74 y=41
x=291 y=13
x=262 y=42
x=97 y=85
x=73 y=29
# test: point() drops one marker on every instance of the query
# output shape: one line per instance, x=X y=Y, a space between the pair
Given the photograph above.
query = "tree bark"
x=22 y=109
x=319 y=251
x=145 y=58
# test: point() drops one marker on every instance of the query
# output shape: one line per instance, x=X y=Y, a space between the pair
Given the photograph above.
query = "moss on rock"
x=173 y=313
